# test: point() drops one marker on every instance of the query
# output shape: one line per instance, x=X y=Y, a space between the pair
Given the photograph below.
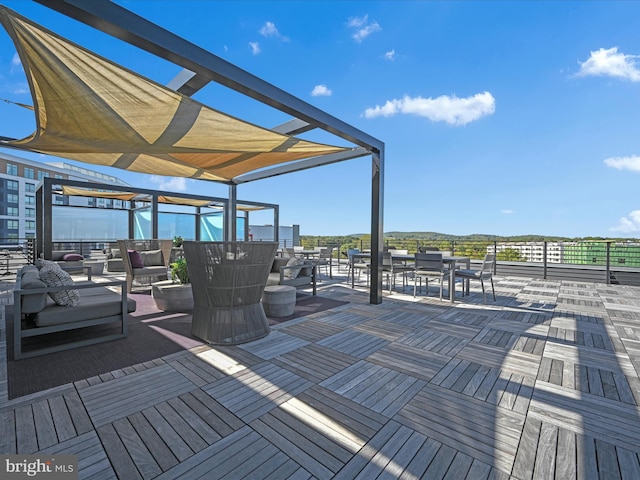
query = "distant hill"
x=440 y=237
x=476 y=237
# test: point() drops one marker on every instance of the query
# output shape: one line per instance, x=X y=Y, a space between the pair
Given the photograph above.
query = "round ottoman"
x=279 y=300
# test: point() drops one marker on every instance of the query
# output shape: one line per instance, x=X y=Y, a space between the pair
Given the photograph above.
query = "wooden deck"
x=542 y=384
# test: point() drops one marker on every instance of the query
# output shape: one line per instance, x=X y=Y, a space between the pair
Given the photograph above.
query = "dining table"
x=451 y=260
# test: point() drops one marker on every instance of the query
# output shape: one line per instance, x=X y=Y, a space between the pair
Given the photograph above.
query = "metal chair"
x=353 y=265
x=323 y=260
x=486 y=271
x=392 y=269
x=429 y=265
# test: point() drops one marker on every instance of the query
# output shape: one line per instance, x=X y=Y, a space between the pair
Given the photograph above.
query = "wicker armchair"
x=154 y=255
x=228 y=279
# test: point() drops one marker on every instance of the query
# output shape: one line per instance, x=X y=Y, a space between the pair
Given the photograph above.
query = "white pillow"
x=292 y=273
x=56 y=277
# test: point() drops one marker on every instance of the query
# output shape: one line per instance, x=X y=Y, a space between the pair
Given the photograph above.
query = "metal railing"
x=605 y=261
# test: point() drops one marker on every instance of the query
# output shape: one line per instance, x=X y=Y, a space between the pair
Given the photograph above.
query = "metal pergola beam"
x=121 y=23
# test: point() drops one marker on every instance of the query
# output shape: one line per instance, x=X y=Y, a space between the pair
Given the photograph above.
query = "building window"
x=30 y=225
x=622 y=260
x=29 y=235
x=30 y=187
x=14 y=225
x=29 y=200
x=12 y=185
x=12 y=211
x=42 y=175
x=12 y=169
x=58 y=200
x=12 y=236
x=30 y=212
x=57 y=175
x=12 y=198
x=29 y=172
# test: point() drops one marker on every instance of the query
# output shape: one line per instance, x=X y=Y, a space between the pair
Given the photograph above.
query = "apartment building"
x=533 y=251
x=19 y=181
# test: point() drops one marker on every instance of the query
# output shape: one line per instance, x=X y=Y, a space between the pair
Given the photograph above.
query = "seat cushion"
x=56 y=277
x=94 y=303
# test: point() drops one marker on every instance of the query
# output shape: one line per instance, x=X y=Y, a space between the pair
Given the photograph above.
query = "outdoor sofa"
x=43 y=306
x=293 y=272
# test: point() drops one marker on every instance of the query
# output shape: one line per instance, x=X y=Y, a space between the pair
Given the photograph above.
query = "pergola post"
x=230 y=230
x=377 y=233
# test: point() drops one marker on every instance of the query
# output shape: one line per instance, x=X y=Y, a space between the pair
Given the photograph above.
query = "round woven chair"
x=227 y=279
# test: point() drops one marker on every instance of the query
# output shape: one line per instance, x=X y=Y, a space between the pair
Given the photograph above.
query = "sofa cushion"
x=292 y=273
x=135 y=259
x=30 y=279
x=94 y=303
x=56 y=277
x=152 y=258
x=114 y=253
x=58 y=255
x=72 y=257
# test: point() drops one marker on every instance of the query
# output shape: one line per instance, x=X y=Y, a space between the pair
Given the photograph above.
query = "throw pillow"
x=136 y=259
x=72 y=257
x=41 y=263
x=152 y=258
x=56 y=277
x=292 y=273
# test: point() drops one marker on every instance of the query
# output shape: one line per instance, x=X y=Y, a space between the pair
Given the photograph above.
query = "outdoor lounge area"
x=541 y=383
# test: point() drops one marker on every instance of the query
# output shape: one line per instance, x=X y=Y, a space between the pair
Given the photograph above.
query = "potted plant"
x=177 y=241
x=179 y=271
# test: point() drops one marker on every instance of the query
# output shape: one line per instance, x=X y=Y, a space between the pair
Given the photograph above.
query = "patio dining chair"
x=392 y=269
x=356 y=264
x=323 y=260
x=429 y=265
x=486 y=271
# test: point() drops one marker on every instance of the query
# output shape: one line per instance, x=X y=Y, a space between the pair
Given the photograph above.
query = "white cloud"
x=452 y=110
x=508 y=211
x=255 y=48
x=321 y=91
x=172 y=184
x=624 y=163
x=610 y=63
x=390 y=55
x=269 y=30
x=357 y=22
x=628 y=224
x=364 y=28
x=16 y=64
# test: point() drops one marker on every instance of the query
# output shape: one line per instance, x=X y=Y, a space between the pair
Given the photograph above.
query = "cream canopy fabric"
x=92 y=110
x=128 y=196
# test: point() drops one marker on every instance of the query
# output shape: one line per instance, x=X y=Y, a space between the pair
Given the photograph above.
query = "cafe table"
x=451 y=261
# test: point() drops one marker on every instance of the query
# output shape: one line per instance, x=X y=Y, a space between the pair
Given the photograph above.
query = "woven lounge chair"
x=228 y=279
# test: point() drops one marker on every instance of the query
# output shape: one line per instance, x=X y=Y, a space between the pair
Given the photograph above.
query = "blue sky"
x=507 y=118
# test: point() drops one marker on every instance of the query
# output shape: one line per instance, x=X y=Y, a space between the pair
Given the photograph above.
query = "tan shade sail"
x=92 y=110
x=167 y=199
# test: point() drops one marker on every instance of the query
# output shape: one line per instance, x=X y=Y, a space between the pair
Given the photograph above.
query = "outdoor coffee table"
x=279 y=300
x=172 y=297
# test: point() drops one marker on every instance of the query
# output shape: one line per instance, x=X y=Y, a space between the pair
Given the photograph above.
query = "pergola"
x=91 y=110
x=53 y=186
